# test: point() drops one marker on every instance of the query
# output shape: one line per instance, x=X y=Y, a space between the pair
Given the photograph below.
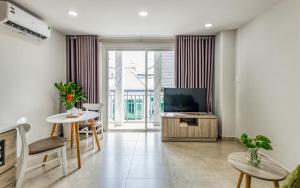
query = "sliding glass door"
x=135 y=79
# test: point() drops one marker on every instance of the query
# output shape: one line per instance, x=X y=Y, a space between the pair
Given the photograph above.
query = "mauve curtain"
x=194 y=63
x=83 y=64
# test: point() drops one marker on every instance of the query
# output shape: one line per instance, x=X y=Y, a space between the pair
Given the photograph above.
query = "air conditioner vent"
x=23 y=29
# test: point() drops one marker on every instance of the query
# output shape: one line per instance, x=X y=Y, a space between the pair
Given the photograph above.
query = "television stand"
x=189 y=126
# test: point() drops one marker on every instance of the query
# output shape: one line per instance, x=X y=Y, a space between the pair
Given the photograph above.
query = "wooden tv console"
x=189 y=127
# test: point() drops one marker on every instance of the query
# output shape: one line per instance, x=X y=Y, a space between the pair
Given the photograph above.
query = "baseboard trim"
x=133 y=130
x=228 y=138
x=187 y=139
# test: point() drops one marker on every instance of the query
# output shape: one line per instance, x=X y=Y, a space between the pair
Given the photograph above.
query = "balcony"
x=134 y=106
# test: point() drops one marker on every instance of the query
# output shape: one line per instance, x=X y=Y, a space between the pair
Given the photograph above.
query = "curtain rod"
x=133 y=39
x=143 y=38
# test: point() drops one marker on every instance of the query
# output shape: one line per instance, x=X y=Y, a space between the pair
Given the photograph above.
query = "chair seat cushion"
x=88 y=124
x=46 y=145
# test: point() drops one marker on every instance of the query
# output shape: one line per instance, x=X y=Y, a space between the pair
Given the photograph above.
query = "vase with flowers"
x=254 y=145
x=70 y=94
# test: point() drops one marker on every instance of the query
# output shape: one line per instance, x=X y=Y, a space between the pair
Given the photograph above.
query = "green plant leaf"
x=260 y=141
x=250 y=145
x=263 y=138
x=70 y=88
x=244 y=138
x=266 y=146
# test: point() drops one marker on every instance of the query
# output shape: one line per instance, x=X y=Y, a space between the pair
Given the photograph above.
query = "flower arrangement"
x=70 y=93
x=254 y=145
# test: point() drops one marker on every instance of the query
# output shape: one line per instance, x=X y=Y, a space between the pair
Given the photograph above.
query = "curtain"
x=194 y=63
x=83 y=64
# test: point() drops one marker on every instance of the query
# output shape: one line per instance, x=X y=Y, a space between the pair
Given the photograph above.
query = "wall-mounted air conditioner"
x=21 y=21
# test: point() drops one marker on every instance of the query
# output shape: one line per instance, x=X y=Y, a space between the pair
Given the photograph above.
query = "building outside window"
x=134 y=80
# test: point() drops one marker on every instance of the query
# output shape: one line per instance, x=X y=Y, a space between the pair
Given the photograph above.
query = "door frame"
x=107 y=46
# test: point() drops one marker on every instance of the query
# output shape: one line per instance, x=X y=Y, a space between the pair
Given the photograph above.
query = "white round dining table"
x=74 y=122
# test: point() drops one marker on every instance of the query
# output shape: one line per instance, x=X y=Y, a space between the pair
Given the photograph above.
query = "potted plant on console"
x=254 y=145
x=70 y=94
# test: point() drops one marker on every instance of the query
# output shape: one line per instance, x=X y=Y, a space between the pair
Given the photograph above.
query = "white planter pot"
x=72 y=111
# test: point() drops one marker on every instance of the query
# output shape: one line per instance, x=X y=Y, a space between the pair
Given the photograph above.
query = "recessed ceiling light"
x=208 y=25
x=73 y=13
x=143 y=13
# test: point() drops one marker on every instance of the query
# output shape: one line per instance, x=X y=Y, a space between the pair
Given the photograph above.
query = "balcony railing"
x=134 y=105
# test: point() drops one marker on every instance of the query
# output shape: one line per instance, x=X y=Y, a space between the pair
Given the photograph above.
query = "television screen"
x=185 y=100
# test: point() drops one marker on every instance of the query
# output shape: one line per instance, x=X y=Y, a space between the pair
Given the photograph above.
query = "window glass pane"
x=160 y=74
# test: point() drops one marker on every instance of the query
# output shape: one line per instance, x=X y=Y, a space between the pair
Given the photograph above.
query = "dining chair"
x=85 y=126
x=39 y=148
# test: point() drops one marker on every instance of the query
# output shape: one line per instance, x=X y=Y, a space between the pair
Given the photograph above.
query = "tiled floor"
x=141 y=160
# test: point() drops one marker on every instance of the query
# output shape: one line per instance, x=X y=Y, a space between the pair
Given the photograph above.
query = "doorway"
x=135 y=81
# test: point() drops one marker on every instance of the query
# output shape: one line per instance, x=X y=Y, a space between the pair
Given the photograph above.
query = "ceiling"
x=166 y=17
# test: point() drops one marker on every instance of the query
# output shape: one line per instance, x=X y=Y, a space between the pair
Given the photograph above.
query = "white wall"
x=28 y=70
x=224 y=82
x=268 y=90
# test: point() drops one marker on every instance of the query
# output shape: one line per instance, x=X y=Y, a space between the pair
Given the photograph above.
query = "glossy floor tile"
x=141 y=160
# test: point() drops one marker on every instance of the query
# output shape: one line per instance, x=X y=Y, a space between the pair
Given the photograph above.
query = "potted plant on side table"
x=254 y=145
x=70 y=94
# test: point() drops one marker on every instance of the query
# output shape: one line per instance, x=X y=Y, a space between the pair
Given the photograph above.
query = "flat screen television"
x=185 y=100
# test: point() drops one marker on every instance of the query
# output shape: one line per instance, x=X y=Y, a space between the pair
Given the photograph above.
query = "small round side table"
x=61 y=118
x=268 y=170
